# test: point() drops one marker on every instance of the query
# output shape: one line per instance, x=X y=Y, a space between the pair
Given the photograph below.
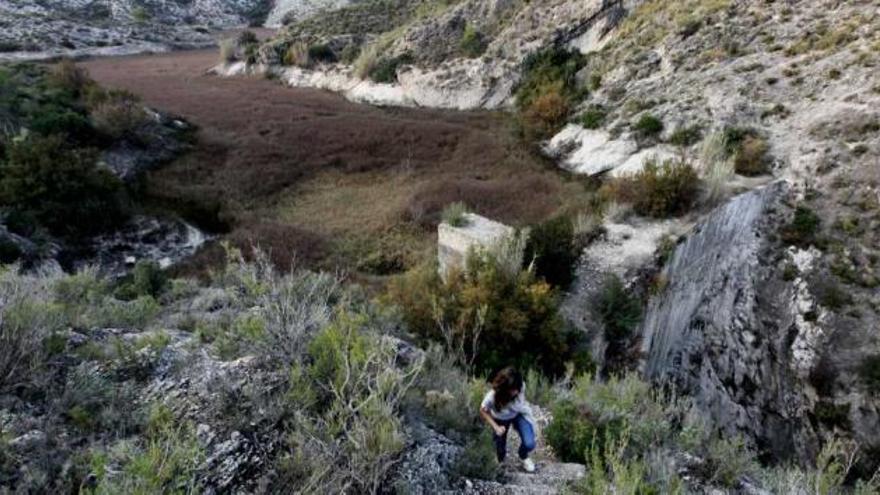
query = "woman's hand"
x=499 y=430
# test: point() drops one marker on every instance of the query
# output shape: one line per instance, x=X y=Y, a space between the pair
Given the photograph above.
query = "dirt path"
x=339 y=183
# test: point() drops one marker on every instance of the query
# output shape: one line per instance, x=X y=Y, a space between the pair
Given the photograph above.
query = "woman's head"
x=507 y=384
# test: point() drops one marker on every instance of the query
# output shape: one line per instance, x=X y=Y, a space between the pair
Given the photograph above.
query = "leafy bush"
x=167 y=462
x=348 y=399
x=54 y=119
x=593 y=118
x=471 y=44
x=686 y=136
x=297 y=54
x=146 y=279
x=546 y=112
x=478 y=460
x=597 y=413
x=751 y=158
x=553 y=248
x=490 y=316
x=870 y=372
x=670 y=189
x=648 y=126
x=26 y=320
x=548 y=90
x=321 y=53
x=385 y=69
x=66 y=75
x=62 y=188
x=803 y=228
x=619 y=311
x=455 y=214
x=120 y=114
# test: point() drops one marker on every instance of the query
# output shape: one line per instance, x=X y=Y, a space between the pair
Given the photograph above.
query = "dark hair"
x=504 y=383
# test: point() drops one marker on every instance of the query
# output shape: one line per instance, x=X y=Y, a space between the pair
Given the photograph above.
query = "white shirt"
x=518 y=405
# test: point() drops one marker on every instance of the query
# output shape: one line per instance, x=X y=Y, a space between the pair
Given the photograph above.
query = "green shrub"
x=648 y=126
x=118 y=115
x=112 y=313
x=593 y=118
x=619 y=311
x=67 y=76
x=228 y=51
x=167 y=462
x=548 y=90
x=146 y=279
x=53 y=119
x=60 y=187
x=803 y=228
x=597 y=413
x=478 y=460
x=686 y=136
x=385 y=69
x=751 y=157
x=471 y=44
x=729 y=460
x=455 y=214
x=492 y=316
x=870 y=372
x=321 y=53
x=347 y=401
x=553 y=249
x=670 y=189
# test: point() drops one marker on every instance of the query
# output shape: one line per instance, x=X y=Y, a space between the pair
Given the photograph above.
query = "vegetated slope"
x=307 y=174
x=42 y=29
x=69 y=154
x=679 y=106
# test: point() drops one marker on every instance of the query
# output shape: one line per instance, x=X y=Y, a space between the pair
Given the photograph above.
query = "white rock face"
x=454 y=243
x=589 y=152
x=300 y=9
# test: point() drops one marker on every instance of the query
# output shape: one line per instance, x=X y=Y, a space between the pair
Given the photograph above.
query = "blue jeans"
x=526 y=435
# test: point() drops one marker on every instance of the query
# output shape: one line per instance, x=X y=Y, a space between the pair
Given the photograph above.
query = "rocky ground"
x=31 y=30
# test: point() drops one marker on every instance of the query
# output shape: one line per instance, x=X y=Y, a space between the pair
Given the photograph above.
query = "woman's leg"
x=501 y=441
x=526 y=435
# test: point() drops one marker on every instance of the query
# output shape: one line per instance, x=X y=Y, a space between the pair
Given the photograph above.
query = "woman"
x=504 y=406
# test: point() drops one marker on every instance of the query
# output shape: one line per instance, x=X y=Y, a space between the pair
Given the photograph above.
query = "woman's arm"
x=499 y=430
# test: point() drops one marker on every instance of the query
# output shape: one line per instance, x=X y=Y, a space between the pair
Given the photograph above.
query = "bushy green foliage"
x=686 y=136
x=60 y=187
x=596 y=413
x=166 y=462
x=619 y=311
x=648 y=126
x=554 y=250
x=478 y=460
x=593 y=117
x=146 y=279
x=751 y=157
x=472 y=44
x=385 y=69
x=347 y=396
x=321 y=53
x=492 y=316
x=803 y=227
x=548 y=90
x=659 y=191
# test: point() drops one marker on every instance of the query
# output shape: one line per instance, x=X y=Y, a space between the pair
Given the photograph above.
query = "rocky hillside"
x=32 y=29
x=760 y=267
